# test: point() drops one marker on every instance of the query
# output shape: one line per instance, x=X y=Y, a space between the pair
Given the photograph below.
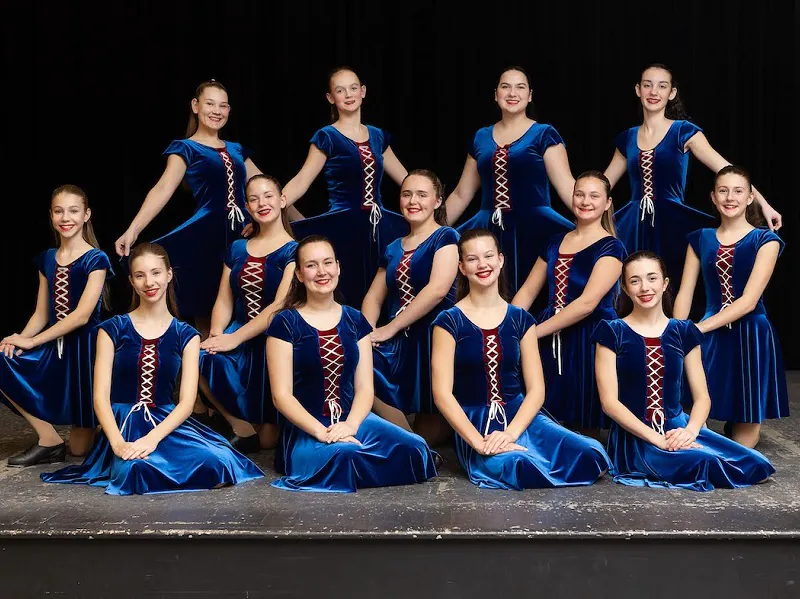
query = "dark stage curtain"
x=94 y=92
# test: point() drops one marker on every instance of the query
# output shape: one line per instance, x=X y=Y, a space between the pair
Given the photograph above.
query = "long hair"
x=440 y=213
x=462 y=283
x=191 y=127
x=675 y=109
x=297 y=296
x=753 y=212
x=87 y=232
x=284 y=216
x=625 y=303
x=331 y=74
x=529 y=107
x=143 y=249
x=607 y=220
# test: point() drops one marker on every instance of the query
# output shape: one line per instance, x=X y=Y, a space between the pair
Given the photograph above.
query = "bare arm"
x=556 y=163
x=693 y=365
x=190 y=373
x=154 y=202
x=222 y=312
x=759 y=278
x=364 y=392
x=298 y=186
x=442 y=376
x=699 y=145
x=532 y=286
x=281 y=368
x=466 y=189
x=608 y=388
x=605 y=274
x=616 y=168
x=534 y=384
x=691 y=272
x=393 y=167
x=103 y=365
x=373 y=301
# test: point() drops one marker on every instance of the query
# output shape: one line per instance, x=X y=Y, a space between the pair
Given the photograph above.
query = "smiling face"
x=589 y=200
x=513 y=93
x=68 y=214
x=317 y=268
x=418 y=200
x=644 y=282
x=264 y=201
x=150 y=278
x=732 y=195
x=212 y=108
x=346 y=92
x=481 y=262
x=655 y=89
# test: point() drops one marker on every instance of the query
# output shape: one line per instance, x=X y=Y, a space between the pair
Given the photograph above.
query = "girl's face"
x=513 y=94
x=732 y=195
x=644 y=282
x=481 y=262
x=418 y=200
x=264 y=201
x=212 y=108
x=655 y=89
x=150 y=278
x=68 y=214
x=346 y=92
x=589 y=200
x=317 y=268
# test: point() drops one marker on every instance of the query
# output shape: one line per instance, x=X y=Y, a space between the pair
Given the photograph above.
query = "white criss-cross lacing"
x=646 y=204
x=332 y=356
x=502 y=191
x=368 y=164
x=724 y=266
x=235 y=214
x=561 y=275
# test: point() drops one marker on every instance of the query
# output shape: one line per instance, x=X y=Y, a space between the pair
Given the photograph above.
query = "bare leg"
x=48 y=436
x=391 y=414
x=747 y=433
x=80 y=440
x=268 y=435
x=433 y=428
x=241 y=428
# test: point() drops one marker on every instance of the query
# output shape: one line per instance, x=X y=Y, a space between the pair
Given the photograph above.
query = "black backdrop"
x=93 y=94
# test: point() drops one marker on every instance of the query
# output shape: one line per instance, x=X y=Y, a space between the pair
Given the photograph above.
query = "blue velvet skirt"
x=190 y=458
x=56 y=390
x=387 y=456
x=555 y=456
x=720 y=463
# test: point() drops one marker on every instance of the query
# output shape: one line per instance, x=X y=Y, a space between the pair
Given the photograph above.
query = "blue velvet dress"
x=650 y=374
x=568 y=355
x=656 y=218
x=515 y=197
x=356 y=222
x=756 y=390
x=238 y=378
x=403 y=363
x=197 y=247
x=54 y=381
x=489 y=386
x=324 y=372
x=190 y=458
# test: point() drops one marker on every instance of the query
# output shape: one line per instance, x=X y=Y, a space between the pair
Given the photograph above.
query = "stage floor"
x=448 y=507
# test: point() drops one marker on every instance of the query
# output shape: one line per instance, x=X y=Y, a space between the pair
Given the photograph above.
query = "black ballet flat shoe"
x=727 y=430
x=437 y=460
x=36 y=454
x=246 y=445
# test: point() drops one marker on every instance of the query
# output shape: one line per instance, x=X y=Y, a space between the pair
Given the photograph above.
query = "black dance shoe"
x=437 y=460
x=246 y=445
x=727 y=430
x=36 y=454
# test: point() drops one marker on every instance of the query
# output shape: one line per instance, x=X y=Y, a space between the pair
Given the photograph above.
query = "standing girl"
x=416 y=276
x=215 y=171
x=741 y=353
x=488 y=384
x=513 y=162
x=655 y=155
x=148 y=445
x=255 y=279
x=46 y=370
x=640 y=363
x=320 y=368
x=582 y=268
x=353 y=156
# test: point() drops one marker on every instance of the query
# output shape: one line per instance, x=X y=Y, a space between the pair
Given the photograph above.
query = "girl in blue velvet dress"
x=488 y=384
x=655 y=155
x=741 y=353
x=148 y=445
x=513 y=162
x=416 y=280
x=215 y=171
x=582 y=269
x=319 y=356
x=640 y=363
x=255 y=279
x=353 y=157
x=46 y=370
